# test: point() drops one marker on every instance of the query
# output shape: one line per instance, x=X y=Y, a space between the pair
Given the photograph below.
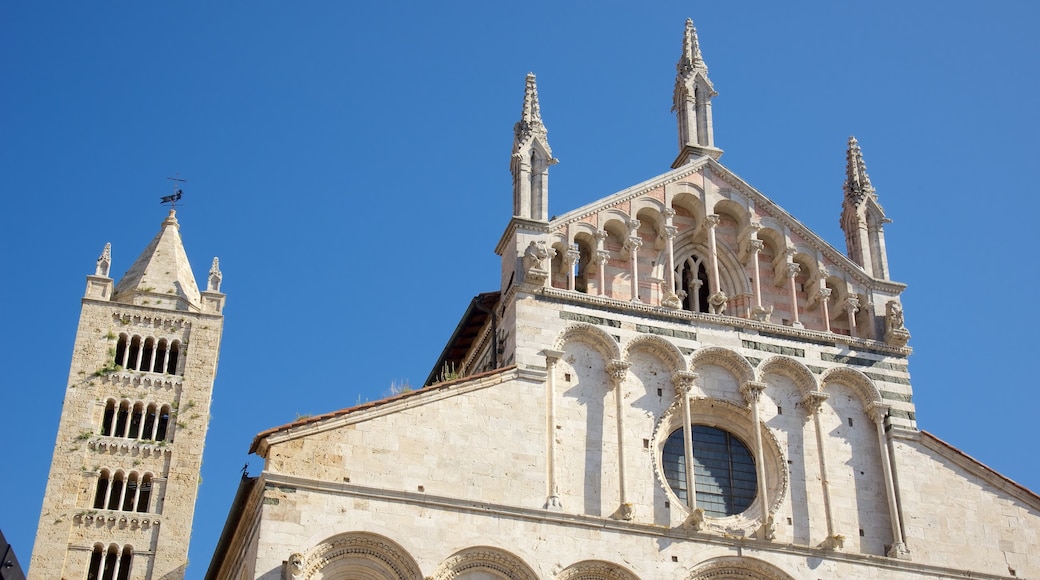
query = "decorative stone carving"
x=898 y=551
x=762 y=313
x=213 y=285
x=617 y=370
x=717 y=302
x=852 y=305
x=624 y=512
x=752 y=391
x=293 y=567
x=812 y=402
x=792 y=269
x=768 y=528
x=104 y=261
x=835 y=542
x=695 y=521
x=895 y=333
x=536 y=262
x=878 y=411
x=683 y=381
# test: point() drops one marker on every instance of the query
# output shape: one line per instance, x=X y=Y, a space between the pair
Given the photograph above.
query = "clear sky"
x=348 y=163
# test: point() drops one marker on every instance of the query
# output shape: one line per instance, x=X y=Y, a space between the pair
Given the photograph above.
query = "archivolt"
x=864 y=387
x=590 y=334
x=736 y=568
x=595 y=570
x=667 y=351
x=725 y=358
x=484 y=559
x=790 y=368
x=355 y=554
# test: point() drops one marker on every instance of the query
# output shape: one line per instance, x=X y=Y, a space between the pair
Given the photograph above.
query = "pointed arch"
x=738 y=567
x=595 y=570
x=596 y=337
x=859 y=382
x=725 y=358
x=794 y=370
x=355 y=554
x=484 y=559
x=664 y=350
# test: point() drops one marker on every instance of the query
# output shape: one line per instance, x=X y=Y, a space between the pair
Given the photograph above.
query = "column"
x=671 y=299
x=632 y=244
x=122 y=492
x=108 y=490
x=792 y=271
x=126 y=351
x=758 y=311
x=825 y=297
x=552 y=501
x=137 y=495
x=618 y=370
x=569 y=258
x=812 y=403
x=752 y=391
x=852 y=307
x=601 y=257
x=717 y=299
x=683 y=381
x=878 y=412
x=166 y=357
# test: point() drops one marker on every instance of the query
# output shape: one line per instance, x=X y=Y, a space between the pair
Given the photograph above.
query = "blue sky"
x=349 y=165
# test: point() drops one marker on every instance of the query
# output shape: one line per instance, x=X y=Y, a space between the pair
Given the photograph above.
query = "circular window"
x=723 y=470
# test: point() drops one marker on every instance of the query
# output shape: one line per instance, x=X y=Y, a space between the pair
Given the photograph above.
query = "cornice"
x=516 y=223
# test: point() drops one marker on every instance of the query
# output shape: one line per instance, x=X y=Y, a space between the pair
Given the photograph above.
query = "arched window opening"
x=148 y=430
x=161 y=350
x=120 y=357
x=124 y=563
x=101 y=489
x=94 y=569
x=164 y=423
x=121 y=419
x=115 y=491
x=136 y=419
x=693 y=277
x=106 y=420
x=135 y=353
x=723 y=469
x=146 y=493
x=581 y=273
x=131 y=493
x=175 y=351
x=147 y=354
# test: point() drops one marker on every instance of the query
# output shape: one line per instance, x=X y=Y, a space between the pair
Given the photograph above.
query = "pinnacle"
x=857 y=182
x=691 y=51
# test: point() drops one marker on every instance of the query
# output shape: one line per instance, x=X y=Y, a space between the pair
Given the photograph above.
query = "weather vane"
x=177 y=193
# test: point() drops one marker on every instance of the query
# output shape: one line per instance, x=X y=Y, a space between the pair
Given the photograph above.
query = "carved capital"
x=851 y=304
x=552 y=356
x=683 y=381
x=633 y=225
x=812 y=402
x=618 y=369
x=601 y=257
x=670 y=232
x=755 y=245
x=668 y=213
x=571 y=256
x=601 y=235
x=792 y=269
x=633 y=243
x=752 y=391
x=878 y=412
x=825 y=294
x=711 y=220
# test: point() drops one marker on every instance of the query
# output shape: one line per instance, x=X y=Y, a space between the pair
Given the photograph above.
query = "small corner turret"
x=691 y=102
x=862 y=218
x=531 y=159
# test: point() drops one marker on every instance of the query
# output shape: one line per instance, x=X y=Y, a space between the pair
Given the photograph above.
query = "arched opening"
x=135 y=353
x=585 y=244
x=124 y=563
x=164 y=423
x=136 y=418
x=160 y=355
x=147 y=354
x=146 y=493
x=109 y=415
x=148 y=430
x=121 y=350
x=175 y=351
x=94 y=569
x=101 y=489
x=115 y=491
x=131 y=493
x=122 y=416
x=692 y=276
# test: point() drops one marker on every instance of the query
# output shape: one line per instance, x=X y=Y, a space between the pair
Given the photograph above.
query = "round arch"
x=725 y=358
x=486 y=559
x=736 y=567
x=660 y=347
x=790 y=368
x=600 y=340
x=354 y=555
x=859 y=382
x=595 y=570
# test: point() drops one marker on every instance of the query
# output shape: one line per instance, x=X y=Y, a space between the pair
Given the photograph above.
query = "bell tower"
x=125 y=473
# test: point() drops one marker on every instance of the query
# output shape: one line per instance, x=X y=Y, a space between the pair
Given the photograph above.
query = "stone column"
x=812 y=403
x=825 y=297
x=601 y=257
x=717 y=300
x=759 y=312
x=878 y=412
x=569 y=258
x=552 y=501
x=683 y=381
x=792 y=271
x=752 y=391
x=618 y=370
x=671 y=299
x=852 y=307
x=632 y=244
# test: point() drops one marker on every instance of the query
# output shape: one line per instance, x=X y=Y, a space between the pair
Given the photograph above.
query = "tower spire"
x=862 y=217
x=531 y=158
x=691 y=102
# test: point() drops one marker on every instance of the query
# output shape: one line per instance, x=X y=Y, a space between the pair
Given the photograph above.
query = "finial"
x=104 y=262
x=213 y=285
x=857 y=182
x=691 y=51
x=530 y=122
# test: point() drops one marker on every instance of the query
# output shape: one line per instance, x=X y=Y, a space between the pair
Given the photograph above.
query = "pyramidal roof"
x=161 y=276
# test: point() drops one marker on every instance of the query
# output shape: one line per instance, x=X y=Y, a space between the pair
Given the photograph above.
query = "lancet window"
x=147 y=354
x=692 y=275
